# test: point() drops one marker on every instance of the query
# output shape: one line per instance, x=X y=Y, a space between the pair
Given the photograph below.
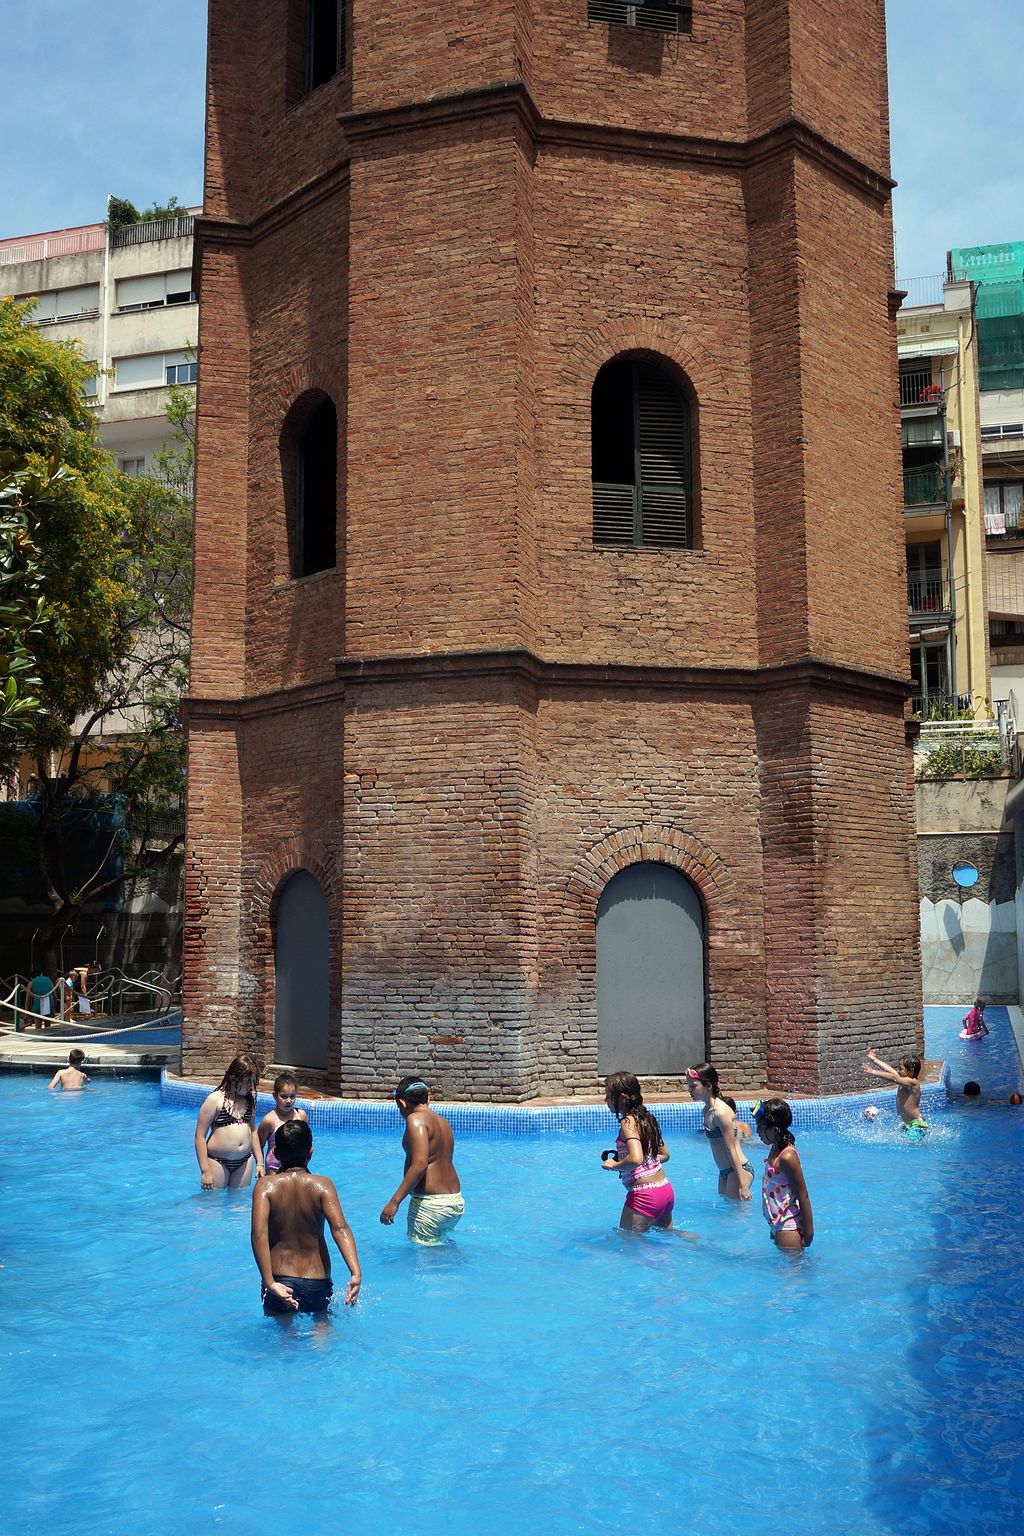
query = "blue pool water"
x=544 y=1373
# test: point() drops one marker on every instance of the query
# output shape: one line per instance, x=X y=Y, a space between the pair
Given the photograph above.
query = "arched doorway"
x=650 y=973
x=301 y=973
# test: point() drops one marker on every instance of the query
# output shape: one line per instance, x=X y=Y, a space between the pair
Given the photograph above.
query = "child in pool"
x=225 y=1141
x=735 y=1174
x=908 y=1091
x=974 y=1022
x=285 y=1090
x=744 y=1130
x=784 y=1199
x=71 y=1077
x=639 y=1155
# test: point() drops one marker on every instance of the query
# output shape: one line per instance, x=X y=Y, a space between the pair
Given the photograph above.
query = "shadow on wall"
x=968 y=951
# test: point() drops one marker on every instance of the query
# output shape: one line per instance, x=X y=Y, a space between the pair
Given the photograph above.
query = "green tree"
x=114 y=561
x=22 y=605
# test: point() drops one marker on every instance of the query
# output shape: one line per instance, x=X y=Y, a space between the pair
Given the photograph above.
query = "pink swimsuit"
x=780 y=1206
x=655 y=1201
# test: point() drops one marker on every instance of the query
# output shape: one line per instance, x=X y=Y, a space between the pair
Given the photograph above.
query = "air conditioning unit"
x=953 y=438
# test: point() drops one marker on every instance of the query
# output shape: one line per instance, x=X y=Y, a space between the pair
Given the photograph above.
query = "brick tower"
x=548 y=534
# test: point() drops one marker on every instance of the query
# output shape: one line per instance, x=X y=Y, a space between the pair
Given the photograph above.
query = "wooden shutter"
x=614 y=513
x=663 y=430
x=648 y=15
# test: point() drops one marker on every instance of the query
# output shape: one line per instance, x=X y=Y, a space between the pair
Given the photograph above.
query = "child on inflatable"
x=974 y=1022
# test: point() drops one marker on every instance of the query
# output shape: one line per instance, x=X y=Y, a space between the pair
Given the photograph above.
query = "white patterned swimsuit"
x=778 y=1202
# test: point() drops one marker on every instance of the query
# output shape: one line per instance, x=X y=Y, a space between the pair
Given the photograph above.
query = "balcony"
x=917 y=389
x=927 y=596
x=178 y=228
x=928 y=487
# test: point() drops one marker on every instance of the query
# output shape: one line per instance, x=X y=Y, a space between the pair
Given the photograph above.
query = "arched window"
x=301 y=972
x=640 y=457
x=309 y=458
x=651 y=944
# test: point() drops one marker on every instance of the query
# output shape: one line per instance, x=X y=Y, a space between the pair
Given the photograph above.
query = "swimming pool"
x=545 y=1373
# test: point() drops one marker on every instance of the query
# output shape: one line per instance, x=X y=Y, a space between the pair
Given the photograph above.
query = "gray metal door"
x=300 y=974
x=650 y=973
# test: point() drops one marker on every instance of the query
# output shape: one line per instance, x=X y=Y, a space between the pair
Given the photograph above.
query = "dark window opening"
x=640 y=458
x=316 y=480
x=644 y=15
x=325 y=41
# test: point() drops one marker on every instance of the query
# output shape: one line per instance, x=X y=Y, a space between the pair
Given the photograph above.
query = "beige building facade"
x=127 y=298
x=943 y=500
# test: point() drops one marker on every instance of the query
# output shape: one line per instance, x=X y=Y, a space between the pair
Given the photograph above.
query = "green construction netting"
x=998 y=273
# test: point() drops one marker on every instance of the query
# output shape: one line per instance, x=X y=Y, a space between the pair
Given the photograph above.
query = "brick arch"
x=655 y=337
x=303 y=378
x=288 y=857
x=657 y=843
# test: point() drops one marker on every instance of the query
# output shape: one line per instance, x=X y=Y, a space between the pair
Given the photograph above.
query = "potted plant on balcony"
x=929 y=394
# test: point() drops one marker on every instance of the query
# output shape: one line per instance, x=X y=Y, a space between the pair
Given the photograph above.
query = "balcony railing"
x=12 y=254
x=153 y=229
x=927 y=594
x=926 y=487
x=922 y=290
x=916 y=388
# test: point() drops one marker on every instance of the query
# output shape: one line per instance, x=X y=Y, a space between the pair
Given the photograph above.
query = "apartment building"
x=996 y=273
x=942 y=497
x=126 y=296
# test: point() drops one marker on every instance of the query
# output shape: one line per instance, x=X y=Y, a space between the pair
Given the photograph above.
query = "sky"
x=107 y=96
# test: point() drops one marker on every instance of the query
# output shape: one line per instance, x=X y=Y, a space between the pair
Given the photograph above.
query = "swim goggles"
x=756 y=1109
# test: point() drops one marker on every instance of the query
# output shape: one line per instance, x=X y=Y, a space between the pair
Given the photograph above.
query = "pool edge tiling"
x=548 y=1119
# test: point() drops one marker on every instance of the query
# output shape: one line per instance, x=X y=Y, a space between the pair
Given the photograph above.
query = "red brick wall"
x=454 y=273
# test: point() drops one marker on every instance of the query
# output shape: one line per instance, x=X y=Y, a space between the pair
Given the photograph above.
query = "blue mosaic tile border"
x=493 y=1120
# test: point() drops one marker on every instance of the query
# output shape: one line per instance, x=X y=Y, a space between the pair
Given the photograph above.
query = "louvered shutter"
x=664 y=460
x=647 y=14
x=614 y=513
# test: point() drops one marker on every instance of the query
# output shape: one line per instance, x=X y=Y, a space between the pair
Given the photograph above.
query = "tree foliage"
x=22 y=604
x=121 y=213
x=112 y=557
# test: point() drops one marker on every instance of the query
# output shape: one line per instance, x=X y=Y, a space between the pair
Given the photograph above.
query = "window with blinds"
x=640 y=458
x=67 y=304
x=154 y=291
x=644 y=15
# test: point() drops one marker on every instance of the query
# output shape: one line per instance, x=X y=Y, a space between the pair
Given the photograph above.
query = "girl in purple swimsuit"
x=638 y=1157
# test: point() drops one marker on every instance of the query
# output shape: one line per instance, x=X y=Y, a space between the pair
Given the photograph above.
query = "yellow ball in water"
x=1015 y=1098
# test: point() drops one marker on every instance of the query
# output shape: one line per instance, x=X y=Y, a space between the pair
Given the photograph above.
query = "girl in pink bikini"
x=638 y=1157
x=784 y=1199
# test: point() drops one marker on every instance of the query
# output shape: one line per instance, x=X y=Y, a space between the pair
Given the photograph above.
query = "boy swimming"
x=908 y=1092
x=71 y=1077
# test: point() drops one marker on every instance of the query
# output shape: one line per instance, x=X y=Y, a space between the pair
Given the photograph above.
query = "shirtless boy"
x=71 y=1077
x=436 y=1204
x=288 y=1215
x=907 y=1077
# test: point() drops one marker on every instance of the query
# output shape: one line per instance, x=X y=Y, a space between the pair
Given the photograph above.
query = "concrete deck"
x=138 y=1051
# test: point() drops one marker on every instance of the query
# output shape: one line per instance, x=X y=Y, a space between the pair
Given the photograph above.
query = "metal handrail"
x=108 y=994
